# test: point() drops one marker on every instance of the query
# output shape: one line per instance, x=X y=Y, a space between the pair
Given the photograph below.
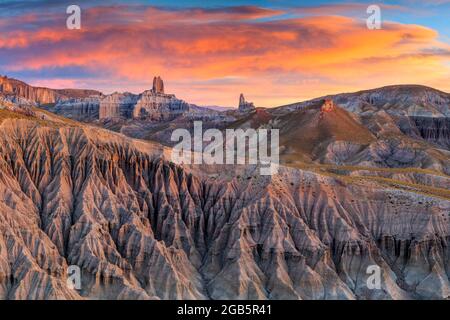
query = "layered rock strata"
x=140 y=227
x=41 y=95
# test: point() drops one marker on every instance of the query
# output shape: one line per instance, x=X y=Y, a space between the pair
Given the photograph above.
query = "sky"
x=208 y=52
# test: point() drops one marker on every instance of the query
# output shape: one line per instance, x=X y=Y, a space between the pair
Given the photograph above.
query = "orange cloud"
x=210 y=56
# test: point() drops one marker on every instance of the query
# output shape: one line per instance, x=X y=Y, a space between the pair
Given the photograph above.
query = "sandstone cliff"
x=158 y=85
x=117 y=105
x=158 y=106
x=38 y=94
x=81 y=109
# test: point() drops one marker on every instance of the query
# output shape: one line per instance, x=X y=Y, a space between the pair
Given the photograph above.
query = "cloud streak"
x=127 y=45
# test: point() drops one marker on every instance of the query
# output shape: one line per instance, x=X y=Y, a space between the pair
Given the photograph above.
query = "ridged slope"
x=141 y=227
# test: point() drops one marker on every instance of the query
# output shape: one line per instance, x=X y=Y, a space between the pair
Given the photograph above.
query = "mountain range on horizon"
x=45 y=95
x=356 y=122
x=364 y=180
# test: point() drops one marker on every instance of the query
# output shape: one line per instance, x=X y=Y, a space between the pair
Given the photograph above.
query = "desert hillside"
x=140 y=227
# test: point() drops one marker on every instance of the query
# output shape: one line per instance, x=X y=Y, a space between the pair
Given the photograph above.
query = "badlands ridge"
x=140 y=227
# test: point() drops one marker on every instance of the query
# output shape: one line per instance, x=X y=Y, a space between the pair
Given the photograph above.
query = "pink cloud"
x=132 y=44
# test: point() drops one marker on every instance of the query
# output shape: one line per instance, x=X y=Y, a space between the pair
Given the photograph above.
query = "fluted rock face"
x=409 y=100
x=432 y=129
x=19 y=88
x=148 y=105
x=80 y=109
x=158 y=106
x=152 y=104
x=140 y=227
x=91 y=105
x=117 y=105
x=40 y=95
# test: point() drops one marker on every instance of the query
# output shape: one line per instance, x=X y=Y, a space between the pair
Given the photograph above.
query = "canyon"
x=364 y=180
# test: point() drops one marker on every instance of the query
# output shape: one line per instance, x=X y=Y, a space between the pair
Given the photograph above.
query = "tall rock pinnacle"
x=241 y=99
x=158 y=85
x=245 y=106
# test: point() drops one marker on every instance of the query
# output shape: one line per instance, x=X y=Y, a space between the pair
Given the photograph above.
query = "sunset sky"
x=275 y=52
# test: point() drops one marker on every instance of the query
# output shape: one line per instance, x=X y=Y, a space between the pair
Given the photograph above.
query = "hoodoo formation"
x=158 y=85
x=245 y=106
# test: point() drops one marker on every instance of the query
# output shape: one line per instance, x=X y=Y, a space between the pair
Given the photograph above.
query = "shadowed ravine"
x=141 y=227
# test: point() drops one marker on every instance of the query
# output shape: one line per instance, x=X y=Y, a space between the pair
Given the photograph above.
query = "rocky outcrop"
x=117 y=105
x=21 y=89
x=328 y=106
x=121 y=106
x=146 y=106
x=158 y=85
x=90 y=105
x=245 y=106
x=410 y=100
x=38 y=94
x=140 y=227
x=153 y=105
x=80 y=109
x=341 y=152
x=16 y=104
x=158 y=106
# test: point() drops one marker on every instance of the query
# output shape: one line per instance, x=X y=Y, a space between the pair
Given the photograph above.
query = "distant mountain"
x=218 y=108
x=312 y=131
x=394 y=114
x=408 y=100
x=150 y=106
x=393 y=126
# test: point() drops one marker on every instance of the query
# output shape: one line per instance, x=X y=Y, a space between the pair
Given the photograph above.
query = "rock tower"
x=158 y=85
x=245 y=106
